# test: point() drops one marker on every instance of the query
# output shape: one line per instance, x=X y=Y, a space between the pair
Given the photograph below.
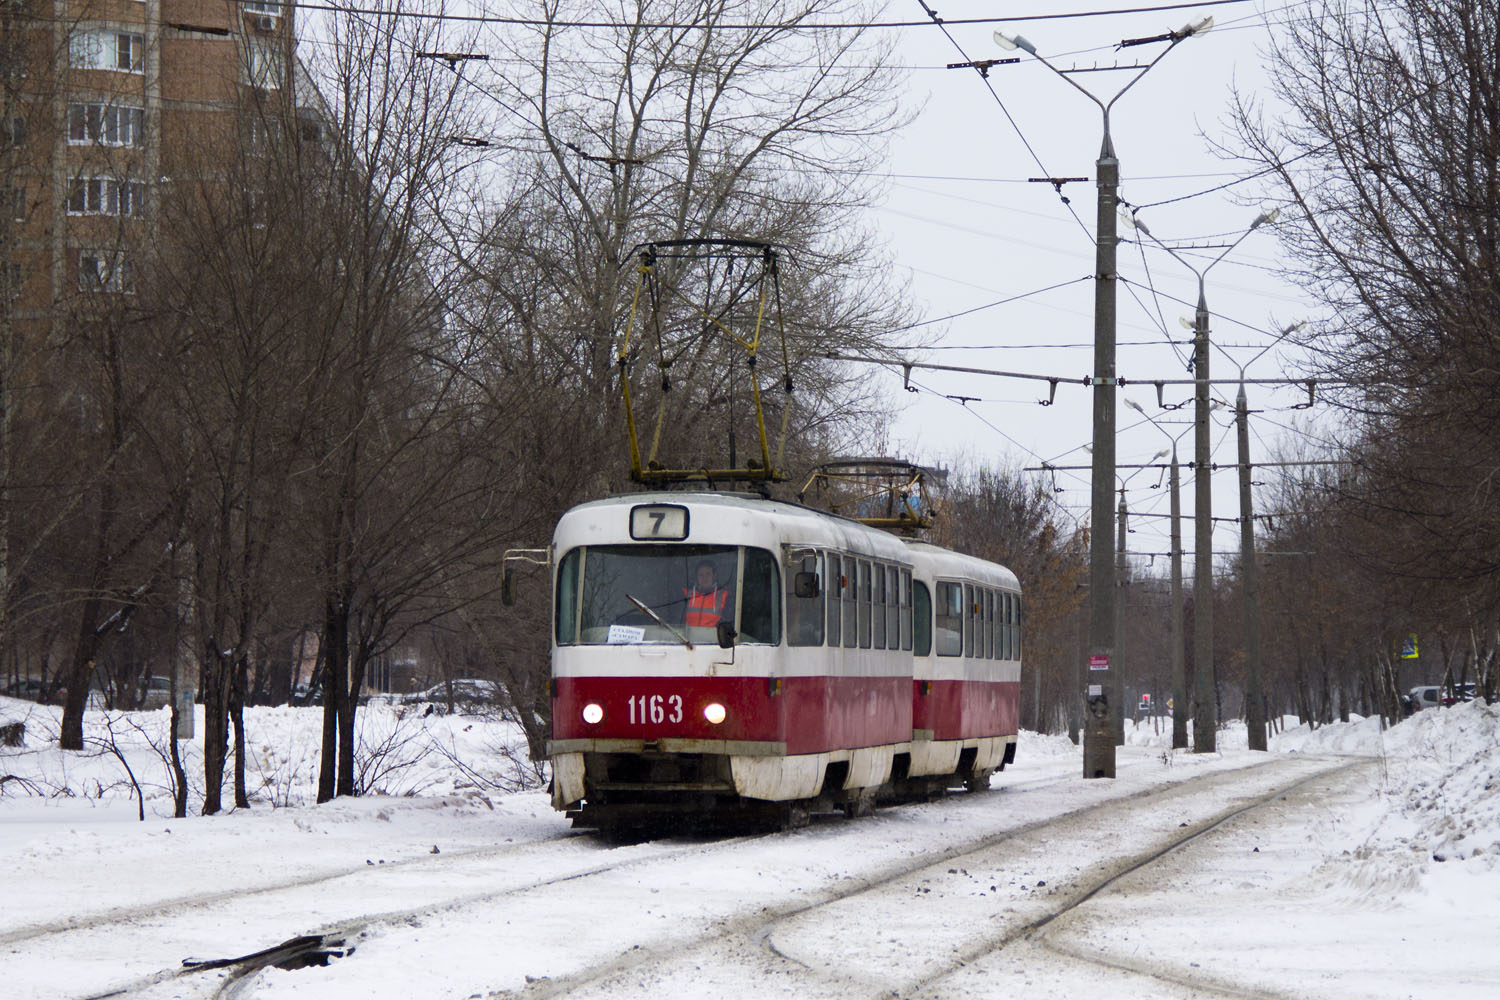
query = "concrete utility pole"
x=1102 y=718
x=1179 y=658
x=1118 y=693
x=1255 y=709
x=1205 y=714
x=1179 y=665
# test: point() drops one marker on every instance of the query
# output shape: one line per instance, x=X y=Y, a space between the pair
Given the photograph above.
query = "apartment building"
x=107 y=104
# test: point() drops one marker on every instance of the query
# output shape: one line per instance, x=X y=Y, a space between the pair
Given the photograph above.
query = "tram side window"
x=1015 y=626
x=877 y=606
x=567 y=597
x=1002 y=627
x=921 y=609
x=997 y=625
x=906 y=610
x=760 y=605
x=835 y=590
x=1002 y=622
x=987 y=627
x=950 y=619
x=1009 y=626
x=1016 y=640
x=804 y=615
x=892 y=608
x=851 y=606
x=864 y=604
x=968 y=620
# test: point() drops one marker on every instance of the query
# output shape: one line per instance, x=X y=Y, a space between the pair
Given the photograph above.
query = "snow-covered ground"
x=1348 y=862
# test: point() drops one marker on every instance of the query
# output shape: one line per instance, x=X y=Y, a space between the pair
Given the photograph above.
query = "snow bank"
x=1439 y=794
x=401 y=751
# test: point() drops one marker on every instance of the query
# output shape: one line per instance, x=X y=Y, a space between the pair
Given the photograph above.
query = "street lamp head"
x=1198 y=27
x=1012 y=42
x=1265 y=218
x=1128 y=217
x=1135 y=406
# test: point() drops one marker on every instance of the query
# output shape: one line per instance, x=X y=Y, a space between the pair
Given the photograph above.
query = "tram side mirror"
x=726 y=635
x=508 y=586
x=805 y=584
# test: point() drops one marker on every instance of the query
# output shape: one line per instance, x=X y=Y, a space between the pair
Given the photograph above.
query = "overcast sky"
x=967 y=229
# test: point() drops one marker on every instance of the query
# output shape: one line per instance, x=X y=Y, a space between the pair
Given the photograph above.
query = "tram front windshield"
x=620 y=594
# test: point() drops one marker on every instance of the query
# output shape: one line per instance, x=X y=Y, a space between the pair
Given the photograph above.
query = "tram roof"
x=795 y=523
x=947 y=563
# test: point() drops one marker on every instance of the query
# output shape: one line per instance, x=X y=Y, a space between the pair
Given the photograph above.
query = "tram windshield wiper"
x=646 y=610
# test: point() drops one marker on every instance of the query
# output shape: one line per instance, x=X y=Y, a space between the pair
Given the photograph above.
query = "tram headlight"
x=714 y=713
x=593 y=714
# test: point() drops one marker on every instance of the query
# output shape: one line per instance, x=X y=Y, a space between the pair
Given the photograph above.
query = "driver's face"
x=706 y=578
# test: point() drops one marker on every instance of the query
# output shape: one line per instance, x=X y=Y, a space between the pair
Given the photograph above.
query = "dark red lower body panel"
x=962 y=710
x=807 y=714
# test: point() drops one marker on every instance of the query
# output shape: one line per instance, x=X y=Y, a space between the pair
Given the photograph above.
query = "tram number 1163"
x=655 y=709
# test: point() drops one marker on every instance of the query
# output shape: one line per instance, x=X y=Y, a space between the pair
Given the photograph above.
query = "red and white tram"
x=717 y=655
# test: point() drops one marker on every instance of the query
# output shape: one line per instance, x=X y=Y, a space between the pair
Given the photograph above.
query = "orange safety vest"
x=704 y=610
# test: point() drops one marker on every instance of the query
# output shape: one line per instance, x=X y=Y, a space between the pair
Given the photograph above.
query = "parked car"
x=469 y=694
x=301 y=695
x=1435 y=695
x=1462 y=692
x=28 y=687
x=156 y=692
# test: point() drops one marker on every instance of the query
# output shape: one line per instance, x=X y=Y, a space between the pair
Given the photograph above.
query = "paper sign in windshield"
x=623 y=634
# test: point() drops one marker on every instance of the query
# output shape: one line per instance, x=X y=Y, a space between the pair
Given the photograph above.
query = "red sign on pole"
x=1098 y=662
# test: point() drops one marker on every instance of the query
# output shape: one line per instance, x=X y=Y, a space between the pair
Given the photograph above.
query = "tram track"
x=751 y=931
x=55 y=938
x=598 y=858
x=1039 y=933
x=761 y=931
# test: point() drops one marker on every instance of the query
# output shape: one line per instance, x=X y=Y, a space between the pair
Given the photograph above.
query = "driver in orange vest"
x=706 y=600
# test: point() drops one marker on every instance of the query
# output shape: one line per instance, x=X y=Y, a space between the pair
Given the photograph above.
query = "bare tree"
x=733 y=121
x=1388 y=156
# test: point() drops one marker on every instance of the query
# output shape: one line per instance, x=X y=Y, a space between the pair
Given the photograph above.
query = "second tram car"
x=722 y=655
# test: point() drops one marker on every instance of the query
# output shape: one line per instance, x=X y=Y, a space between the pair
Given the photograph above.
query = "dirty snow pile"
x=1441 y=781
x=1445 y=780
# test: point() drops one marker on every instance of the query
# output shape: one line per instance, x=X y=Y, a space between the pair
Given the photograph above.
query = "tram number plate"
x=659 y=522
x=655 y=708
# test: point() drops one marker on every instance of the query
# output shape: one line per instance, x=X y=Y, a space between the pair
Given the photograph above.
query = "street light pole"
x=1205 y=711
x=1118 y=692
x=1121 y=582
x=1100 y=721
x=1255 y=709
x=1179 y=659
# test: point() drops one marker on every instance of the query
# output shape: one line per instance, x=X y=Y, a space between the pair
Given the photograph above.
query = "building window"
x=264 y=67
x=104 y=271
x=262 y=7
x=98 y=48
x=106 y=196
x=107 y=125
